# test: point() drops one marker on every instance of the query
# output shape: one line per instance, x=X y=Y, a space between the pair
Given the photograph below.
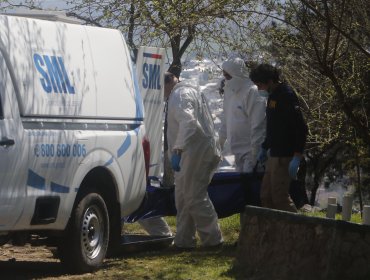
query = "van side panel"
x=67 y=70
x=12 y=175
x=72 y=107
x=56 y=171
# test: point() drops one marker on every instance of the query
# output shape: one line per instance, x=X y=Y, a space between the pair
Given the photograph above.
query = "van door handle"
x=7 y=142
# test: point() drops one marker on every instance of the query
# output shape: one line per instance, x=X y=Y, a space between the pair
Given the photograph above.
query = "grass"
x=171 y=264
x=355 y=218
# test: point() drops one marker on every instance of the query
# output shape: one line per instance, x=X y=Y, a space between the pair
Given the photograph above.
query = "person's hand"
x=262 y=156
x=175 y=161
x=294 y=166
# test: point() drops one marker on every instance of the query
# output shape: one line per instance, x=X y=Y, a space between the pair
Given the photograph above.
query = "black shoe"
x=182 y=249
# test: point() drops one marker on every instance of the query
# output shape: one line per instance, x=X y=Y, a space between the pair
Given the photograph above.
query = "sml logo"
x=151 y=76
x=54 y=75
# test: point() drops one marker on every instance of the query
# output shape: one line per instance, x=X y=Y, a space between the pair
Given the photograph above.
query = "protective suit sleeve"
x=255 y=106
x=222 y=133
x=185 y=114
x=222 y=142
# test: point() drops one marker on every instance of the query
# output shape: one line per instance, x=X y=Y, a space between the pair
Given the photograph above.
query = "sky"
x=53 y=4
x=46 y=4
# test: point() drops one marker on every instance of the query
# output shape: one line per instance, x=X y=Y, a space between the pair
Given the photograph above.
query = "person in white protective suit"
x=156 y=226
x=243 y=123
x=195 y=153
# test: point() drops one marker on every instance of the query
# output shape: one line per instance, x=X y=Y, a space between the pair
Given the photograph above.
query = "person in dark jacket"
x=286 y=133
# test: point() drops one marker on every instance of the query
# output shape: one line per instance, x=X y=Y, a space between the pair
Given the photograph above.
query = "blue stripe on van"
x=124 y=147
x=109 y=162
x=35 y=181
x=58 y=188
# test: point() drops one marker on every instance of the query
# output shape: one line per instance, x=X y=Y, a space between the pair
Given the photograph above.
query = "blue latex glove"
x=175 y=162
x=293 y=167
x=262 y=156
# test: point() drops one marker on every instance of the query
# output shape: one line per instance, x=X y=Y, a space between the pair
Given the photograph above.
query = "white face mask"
x=234 y=84
x=263 y=93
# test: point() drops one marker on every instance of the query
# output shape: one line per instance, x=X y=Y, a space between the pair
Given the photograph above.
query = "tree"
x=323 y=48
x=175 y=24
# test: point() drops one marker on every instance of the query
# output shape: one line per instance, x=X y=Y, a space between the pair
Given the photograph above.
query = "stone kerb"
x=278 y=245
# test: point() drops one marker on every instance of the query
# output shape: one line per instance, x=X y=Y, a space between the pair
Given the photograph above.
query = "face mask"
x=263 y=93
x=234 y=84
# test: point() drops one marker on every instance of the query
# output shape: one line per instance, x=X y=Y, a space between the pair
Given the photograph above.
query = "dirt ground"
x=26 y=262
x=38 y=262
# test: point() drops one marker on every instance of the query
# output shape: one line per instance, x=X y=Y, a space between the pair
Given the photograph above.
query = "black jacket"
x=286 y=130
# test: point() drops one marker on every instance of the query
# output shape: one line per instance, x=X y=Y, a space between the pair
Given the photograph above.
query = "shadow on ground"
x=30 y=269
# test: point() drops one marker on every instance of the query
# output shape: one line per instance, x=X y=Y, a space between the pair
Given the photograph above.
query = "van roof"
x=60 y=16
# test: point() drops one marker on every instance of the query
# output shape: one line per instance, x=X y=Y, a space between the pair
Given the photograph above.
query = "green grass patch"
x=170 y=264
x=355 y=218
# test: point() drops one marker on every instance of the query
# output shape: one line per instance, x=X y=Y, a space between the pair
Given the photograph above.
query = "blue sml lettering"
x=54 y=74
x=151 y=76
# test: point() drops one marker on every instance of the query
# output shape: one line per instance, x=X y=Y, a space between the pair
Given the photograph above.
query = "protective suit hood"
x=239 y=73
x=236 y=68
x=192 y=83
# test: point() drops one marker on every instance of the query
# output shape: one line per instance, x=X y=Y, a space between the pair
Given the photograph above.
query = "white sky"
x=53 y=4
x=46 y=4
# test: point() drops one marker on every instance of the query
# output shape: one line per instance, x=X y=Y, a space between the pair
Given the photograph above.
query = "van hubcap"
x=92 y=232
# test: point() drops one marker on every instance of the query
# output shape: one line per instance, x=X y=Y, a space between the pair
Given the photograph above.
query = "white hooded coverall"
x=190 y=129
x=243 y=123
x=156 y=226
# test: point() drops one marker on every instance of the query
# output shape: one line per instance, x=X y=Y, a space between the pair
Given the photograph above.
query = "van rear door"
x=150 y=72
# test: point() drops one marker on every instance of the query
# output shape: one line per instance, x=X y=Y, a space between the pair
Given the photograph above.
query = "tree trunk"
x=176 y=67
x=314 y=192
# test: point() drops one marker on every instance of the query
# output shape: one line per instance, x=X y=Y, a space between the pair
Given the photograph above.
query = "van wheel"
x=84 y=246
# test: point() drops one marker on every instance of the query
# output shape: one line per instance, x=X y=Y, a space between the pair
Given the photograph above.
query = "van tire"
x=84 y=245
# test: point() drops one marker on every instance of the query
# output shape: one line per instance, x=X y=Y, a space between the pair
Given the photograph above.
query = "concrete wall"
x=276 y=245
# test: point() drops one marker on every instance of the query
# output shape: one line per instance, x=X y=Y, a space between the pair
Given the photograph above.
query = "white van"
x=71 y=137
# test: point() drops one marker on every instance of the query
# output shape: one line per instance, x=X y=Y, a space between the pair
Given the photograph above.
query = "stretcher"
x=229 y=192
